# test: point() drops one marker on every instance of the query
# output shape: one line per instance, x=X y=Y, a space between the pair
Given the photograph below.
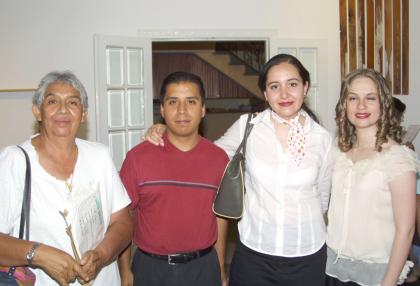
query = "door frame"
x=210 y=35
x=270 y=36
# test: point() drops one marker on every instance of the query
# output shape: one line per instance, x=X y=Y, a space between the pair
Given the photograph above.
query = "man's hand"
x=127 y=278
x=225 y=280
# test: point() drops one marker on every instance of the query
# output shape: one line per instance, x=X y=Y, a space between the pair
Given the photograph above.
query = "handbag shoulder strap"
x=26 y=202
x=248 y=129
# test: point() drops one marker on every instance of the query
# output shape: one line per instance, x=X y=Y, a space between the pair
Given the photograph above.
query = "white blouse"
x=284 y=202
x=94 y=167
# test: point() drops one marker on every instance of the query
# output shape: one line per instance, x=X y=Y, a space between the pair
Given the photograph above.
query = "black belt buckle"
x=182 y=258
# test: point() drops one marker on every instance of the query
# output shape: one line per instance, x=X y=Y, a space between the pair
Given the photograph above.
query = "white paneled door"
x=124 y=92
x=313 y=55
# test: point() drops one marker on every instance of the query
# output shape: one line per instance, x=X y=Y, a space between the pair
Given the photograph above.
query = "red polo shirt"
x=172 y=192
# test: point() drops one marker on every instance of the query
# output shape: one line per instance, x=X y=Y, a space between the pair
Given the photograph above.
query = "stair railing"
x=249 y=53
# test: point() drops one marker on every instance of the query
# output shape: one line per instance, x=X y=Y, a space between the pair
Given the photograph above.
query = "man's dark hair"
x=178 y=77
x=399 y=105
x=399 y=108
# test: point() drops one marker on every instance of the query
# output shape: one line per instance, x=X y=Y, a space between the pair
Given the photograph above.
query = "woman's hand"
x=58 y=264
x=117 y=237
x=154 y=134
x=90 y=265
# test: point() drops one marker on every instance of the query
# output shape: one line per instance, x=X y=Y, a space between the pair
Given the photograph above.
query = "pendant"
x=69 y=186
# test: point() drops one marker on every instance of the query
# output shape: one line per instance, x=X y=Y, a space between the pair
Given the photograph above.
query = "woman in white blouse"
x=287 y=178
x=372 y=208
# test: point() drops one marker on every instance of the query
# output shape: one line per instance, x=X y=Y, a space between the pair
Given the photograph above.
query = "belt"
x=180 y=258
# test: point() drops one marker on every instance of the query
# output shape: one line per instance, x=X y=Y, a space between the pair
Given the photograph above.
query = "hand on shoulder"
x=155 y=133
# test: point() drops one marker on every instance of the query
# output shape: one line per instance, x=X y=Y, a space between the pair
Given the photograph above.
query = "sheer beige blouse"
x=361 y=225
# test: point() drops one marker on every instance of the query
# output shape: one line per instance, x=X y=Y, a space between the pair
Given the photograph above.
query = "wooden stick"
x=73 y=245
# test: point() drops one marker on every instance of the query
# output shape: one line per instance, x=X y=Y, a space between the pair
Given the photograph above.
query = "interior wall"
x=40 y=36
x=16 y=119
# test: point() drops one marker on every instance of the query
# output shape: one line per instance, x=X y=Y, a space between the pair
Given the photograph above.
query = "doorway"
x=229 y=70
x=125 y=88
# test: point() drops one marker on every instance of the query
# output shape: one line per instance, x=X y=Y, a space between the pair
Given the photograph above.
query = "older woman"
x=73 y=181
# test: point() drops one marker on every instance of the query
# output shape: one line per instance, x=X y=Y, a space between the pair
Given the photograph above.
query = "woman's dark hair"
x=303 y=72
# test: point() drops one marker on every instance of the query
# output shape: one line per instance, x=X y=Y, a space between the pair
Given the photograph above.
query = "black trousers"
x=251 y=268
x=149 y=271
x=331 y=281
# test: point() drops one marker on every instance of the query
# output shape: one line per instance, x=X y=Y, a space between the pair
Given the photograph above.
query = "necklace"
x=69 y=183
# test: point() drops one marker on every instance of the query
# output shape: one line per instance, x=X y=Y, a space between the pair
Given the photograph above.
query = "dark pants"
x=256 y=269
x=150 y=271
x=331 y=281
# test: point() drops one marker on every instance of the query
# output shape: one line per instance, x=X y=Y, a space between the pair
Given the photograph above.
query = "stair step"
x=235 y=61
x=220 y=52
x=250 y=71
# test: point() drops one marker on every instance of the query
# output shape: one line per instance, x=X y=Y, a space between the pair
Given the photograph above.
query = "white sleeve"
x=12 y=182
x=230 y=141
x=325 y=175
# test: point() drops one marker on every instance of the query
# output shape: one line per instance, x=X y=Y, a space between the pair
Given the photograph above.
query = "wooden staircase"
x=233 y=69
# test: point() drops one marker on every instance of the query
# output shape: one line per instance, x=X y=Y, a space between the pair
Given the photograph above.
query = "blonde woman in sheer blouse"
x=372 y=208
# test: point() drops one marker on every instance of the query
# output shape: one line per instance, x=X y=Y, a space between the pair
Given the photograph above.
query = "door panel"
x=313 y=55
x=124 y=92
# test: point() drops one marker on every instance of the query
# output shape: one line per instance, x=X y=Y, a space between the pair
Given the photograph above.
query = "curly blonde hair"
x=389 y=124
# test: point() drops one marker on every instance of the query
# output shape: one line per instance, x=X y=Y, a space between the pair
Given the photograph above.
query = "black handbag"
x=229 y=201
x=18 y=276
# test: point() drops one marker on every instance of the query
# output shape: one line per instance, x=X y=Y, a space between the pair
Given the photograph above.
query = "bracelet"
x=31 y=253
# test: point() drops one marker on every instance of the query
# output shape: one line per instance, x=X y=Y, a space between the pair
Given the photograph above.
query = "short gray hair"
x=66 y=77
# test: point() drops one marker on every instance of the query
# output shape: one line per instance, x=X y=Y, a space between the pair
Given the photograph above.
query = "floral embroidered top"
x=361 y=224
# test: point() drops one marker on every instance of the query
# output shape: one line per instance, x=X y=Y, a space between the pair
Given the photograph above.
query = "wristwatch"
x=31 y=253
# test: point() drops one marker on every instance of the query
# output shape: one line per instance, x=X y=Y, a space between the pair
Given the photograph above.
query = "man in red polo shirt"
x=172 y=189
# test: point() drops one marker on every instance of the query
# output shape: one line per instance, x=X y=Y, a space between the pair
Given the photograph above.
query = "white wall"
x=16 y=119
x=43 y=35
